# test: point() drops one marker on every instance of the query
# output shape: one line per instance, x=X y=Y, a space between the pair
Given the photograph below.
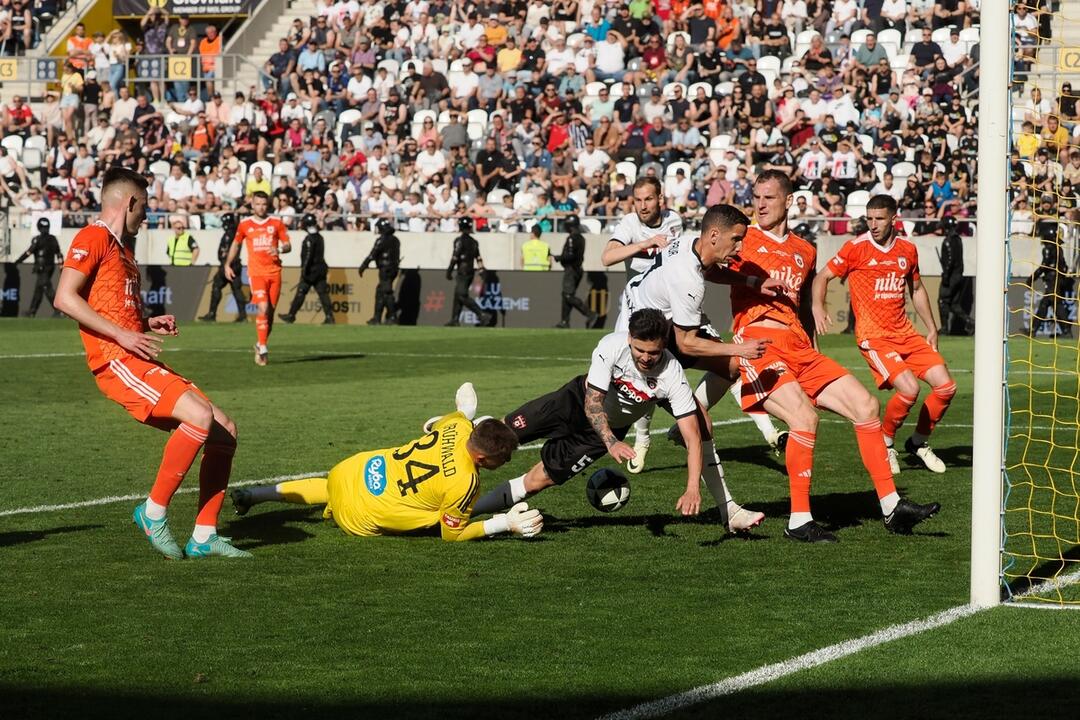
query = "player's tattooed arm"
x=594 y=411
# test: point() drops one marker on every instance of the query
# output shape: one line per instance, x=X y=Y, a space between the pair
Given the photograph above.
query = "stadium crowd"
x=516 y=113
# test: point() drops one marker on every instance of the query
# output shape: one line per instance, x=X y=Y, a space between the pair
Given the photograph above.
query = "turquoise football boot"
x=158 y=533
x=216 y=546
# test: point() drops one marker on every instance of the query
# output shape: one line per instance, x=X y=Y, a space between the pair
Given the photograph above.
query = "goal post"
x=991 y=288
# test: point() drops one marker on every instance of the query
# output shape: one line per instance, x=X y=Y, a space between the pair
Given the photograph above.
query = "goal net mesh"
x=1041 y=521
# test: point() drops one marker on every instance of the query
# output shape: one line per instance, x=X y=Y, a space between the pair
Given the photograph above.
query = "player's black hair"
x=779 y=176
x=723 y=217
x=882 y=202
x=493 y=438
x=260 y=194
x=649 y=324
x=117 y=174
x=648 y=180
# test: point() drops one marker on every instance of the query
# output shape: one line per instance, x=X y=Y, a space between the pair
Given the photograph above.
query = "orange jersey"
x=878 y=280
x=112 y=288
x=263 y=239
x=788 y=259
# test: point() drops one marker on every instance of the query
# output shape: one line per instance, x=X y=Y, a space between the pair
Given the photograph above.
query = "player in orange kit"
x=881 y=267
x=266 y=238
x=792 y=377
x=100 y=289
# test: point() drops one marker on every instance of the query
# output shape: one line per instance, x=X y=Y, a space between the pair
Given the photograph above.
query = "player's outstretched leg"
x=711 y=388
x=848 y=398
x=934 y=408
x=735 y=517
x=309 y=491
x=642 y=441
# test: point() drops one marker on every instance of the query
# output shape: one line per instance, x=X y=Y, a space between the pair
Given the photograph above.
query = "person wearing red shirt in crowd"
x=18 y=117
x=351 y=156
x=273 y=134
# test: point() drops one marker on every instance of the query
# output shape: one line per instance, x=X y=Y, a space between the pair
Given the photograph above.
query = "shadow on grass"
x=323 y=358
x=956 y=701
x=275 y=528
x=21 y=537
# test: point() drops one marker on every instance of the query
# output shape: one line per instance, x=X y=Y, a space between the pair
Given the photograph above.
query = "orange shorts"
x=888 y=357
x=265 y=288
x=147 y=390
x=789 y=358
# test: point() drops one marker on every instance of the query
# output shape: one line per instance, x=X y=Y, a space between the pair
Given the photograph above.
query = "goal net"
x=1040 y=520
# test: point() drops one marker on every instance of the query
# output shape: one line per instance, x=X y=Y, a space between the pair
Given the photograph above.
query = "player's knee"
x=907 y=386
x=867 y=408
x=200 y=413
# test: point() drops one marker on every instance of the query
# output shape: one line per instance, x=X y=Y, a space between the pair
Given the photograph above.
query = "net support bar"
x=990 y=305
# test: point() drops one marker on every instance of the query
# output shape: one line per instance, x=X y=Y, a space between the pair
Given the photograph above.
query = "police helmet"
x=384 y=226
x=948 y=223
x=310 y=221
x=43 y=225
x=228 y=220
x=572 y=223
x=465 y=224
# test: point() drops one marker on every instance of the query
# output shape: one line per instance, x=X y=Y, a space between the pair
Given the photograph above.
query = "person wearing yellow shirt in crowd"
x=257 y=182
x=182 y=248
x=535 y=253
x=496 y=32
x=1027 y=142
x=509 y=57
x=71 y=85
x=209 y=50
x=1054 y=137
x=433 y=481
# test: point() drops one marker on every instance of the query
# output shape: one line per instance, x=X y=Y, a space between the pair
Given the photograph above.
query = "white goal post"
x=988 y=455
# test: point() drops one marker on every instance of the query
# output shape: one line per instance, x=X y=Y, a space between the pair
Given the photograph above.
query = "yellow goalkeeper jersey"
x=429 y=481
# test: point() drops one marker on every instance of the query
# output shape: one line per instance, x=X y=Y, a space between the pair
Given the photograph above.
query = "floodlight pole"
x=991 y=289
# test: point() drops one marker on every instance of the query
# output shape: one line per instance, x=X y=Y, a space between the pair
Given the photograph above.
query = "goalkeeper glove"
x=465 y=400
x=523 y=521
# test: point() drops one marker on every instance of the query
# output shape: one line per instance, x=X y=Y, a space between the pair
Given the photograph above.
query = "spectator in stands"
x=209 y=52
x=71 y=85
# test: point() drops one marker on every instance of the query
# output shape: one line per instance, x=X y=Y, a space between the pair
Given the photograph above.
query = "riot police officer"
x=954 y=320
x=228 y=225
x=464 y=260
x=571 y=258
x=1056 y=285
x=46 y=251
x=313 y=271
x=386 y=254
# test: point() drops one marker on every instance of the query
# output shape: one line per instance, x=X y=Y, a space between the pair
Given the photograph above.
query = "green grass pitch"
x=601 y=613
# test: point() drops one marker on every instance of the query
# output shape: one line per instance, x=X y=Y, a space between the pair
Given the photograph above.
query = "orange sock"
x=896 y=412
x=213 y=479
x=799 y=458
x=872 y=448
x=180 y=452
x=934 y=407
x=262 y=328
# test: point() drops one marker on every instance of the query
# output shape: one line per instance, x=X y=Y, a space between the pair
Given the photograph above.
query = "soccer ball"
x=607 y=490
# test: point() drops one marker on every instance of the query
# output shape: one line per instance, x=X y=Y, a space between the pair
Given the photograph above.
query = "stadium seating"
x=289 y=167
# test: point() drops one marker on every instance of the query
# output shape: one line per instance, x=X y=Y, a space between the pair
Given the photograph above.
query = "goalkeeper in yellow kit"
x=433 y=480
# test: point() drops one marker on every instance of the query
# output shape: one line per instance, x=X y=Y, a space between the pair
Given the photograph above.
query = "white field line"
x=775 y=671
x=36 y=509
x=443 y=356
